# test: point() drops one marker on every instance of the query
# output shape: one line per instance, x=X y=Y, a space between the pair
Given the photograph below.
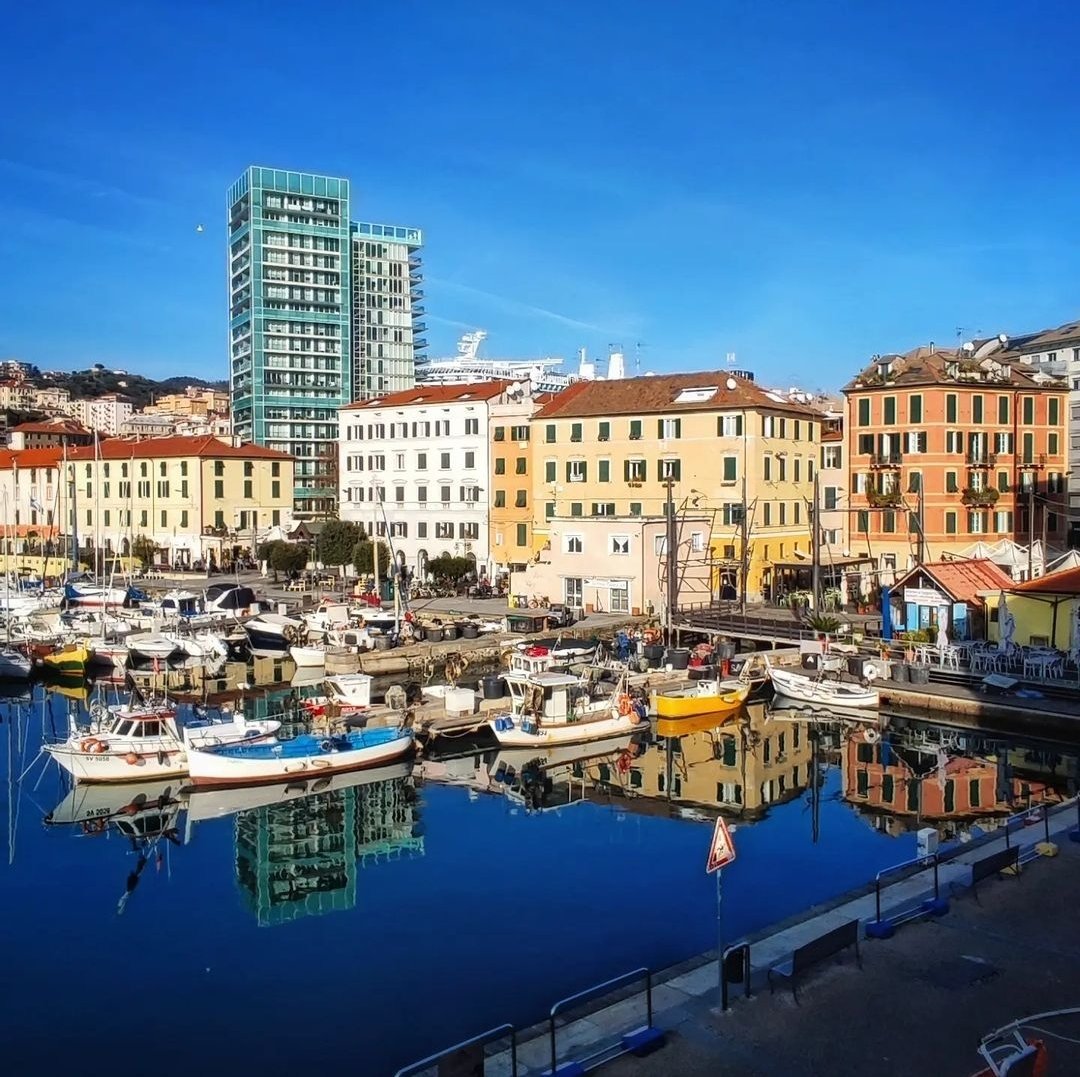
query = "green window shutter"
x=738 y=426
x=604 y=470
x=730 y=464
x=1052 y=411
x=1003 y=410
x=677 y=469
x=575 y=508
x=550 y=434
x=567 y=470
x=626 y=470
x=644 y=470
x=549 y=471
x=635 y=429
x=950 y=408
x=678 y=428
x=659 y=428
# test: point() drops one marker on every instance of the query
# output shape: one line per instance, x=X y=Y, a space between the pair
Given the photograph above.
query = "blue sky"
x=802 y=183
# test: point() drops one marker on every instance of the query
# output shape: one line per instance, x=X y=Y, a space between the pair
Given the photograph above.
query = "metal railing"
x=596 y=992
x=923 y=863
x=481 y=1041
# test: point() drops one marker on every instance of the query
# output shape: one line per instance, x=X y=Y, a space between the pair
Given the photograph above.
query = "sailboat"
x=13 y=664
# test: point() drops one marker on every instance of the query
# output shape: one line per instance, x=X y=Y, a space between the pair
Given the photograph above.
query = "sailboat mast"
x=73 y=508
x=99 y=560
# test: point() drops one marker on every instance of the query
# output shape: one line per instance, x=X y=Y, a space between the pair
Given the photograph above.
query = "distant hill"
x=97 y=381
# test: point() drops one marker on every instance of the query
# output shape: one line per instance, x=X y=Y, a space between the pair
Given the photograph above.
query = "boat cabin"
x=551 y=697
x=352 y=689
x=136 y=724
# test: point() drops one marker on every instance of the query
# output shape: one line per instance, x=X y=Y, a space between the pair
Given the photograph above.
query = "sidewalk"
x=919 y=1006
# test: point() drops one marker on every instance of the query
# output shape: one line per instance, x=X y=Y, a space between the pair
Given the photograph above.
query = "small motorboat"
x=96 y=596
x=346 y=694
x=308 y=755
x=817 y=689
x=307 y=656
x=717 y=697
x=70 y=659
x=14 y=665
x=152 y=645
x=274 y=632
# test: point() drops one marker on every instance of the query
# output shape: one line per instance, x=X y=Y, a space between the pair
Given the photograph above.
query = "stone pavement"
x=920 y=1004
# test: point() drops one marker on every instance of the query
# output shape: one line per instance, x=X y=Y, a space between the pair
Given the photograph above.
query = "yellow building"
x=727 y=447
x=1046 y=611
x=194 y=403
x=510 y=523
x=195 y=498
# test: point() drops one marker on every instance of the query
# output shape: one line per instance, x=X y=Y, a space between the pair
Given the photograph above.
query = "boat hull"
x=219 y=770
x=114 y=767
x=807 y=690
x=70 y=661
x=698 y=706
x=568 y=732
x=308 y=656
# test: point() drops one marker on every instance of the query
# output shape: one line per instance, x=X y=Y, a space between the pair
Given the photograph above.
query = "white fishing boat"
x=14 y=665
x=204 y=645
x=308 y=755
x=274 y=633
x=547 y=709
x=140 y=743
x=346 y=694
x=204 y=803
x=819 y=690
x=152 y=645
x=138 y=809
x=308 y=656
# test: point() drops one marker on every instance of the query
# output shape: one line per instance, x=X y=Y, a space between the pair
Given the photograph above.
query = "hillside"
x=98 y=381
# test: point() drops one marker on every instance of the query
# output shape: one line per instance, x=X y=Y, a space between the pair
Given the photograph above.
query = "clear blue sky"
x=802 y=183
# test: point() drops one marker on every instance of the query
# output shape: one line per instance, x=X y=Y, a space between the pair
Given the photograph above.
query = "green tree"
x=143 y=548
x=288 y=557
x=265 y=552
x=363 y=559
x=449 y=569
x=337 y=541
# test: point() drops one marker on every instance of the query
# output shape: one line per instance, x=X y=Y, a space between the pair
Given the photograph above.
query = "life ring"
x=652 y=635
x=132 y=759
x=326 y=745
x=622 y=764
x=871 y=735
x=625 y=705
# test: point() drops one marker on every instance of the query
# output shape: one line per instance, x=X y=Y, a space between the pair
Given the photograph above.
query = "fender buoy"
x=131 y=759
x=625 y=706
x=622 y=764
x=95 y=826
x=89 y=745
x=326 y=745
x=871 y=735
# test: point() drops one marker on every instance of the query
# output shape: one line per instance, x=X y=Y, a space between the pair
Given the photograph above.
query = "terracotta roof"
x=48 y=457
x=173 y=446
x=963 y=580
x=1065 y=582
x=51 y=426
x=433 y=394
x=658 y=394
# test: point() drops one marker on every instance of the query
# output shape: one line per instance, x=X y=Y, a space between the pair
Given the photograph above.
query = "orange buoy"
x=625 y=706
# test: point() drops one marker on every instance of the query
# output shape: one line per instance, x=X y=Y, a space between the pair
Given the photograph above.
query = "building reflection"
x=303 y=857
x=919 y=775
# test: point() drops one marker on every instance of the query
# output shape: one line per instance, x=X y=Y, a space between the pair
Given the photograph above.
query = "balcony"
x=883 y=499
x=981 y=458
x=886 y=461
x=1031 y=463
x=980 y=499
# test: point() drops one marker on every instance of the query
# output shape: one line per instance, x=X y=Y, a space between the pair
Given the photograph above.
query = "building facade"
x=386 y=303
x=293 y=307
x=415 y=467
x=511 y=483
x=726 y=446
x=947 y=448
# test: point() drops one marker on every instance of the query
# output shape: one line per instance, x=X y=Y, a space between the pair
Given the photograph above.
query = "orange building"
x=949 y=448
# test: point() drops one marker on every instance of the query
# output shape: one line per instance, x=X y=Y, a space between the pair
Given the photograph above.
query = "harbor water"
x=370 y=920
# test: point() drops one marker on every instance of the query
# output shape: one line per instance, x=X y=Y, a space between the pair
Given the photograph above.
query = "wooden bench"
x=808 y=955
x=994 y=864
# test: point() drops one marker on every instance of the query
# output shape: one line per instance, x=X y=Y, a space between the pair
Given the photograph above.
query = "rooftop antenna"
x=637 y=359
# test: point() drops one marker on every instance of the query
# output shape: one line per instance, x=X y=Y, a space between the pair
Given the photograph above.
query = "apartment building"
x=193 y=497
x=950 y=447
x=106 y=414
x=716 y=440
x=192 y=403
x=511 y=482
x=416 y=466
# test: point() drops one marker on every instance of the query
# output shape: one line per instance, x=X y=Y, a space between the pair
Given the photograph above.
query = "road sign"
x=722 y=850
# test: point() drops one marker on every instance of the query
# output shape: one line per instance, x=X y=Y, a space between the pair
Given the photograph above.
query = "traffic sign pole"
x=720 y=938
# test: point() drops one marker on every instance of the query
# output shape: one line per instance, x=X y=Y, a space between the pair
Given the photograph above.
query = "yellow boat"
x=702 y=699
x=68 y=660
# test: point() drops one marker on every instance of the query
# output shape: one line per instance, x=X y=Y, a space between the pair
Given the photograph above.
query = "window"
x=620 y=596
x=950 y=522
x=1053 y=410
x=219 y=467
x=766 y=468
x=421 y=461
x=421 y=529
x=977 y=408
x=444 y=461
x=1029 y=448
x=1003 y=444
x=954 y=441
x=500 y=434
x=915 y=409
x=549 y=433
x=500 y=466
x=576 y=470
x=399 y=495
x=1003 y=482
x=573 y=592
x=1028 y=404
x=421 y=495
x=668 y=429
x=575 y=508
x=603 y=508
x=247 y=489
x=472 y=426
x=164 y=518
x=1052 y=444
x=862 y=522
x=783 y=513
x=519 y=433
x=977 y=522
x=470 y=459
x=1003 y=410
x=635 y=508
x=1003 y=522
x=549 y=471
x=521 y=465
x=889 y=412
x=830 y=498
x=549 y=509
x=521 y=538
x=669 y=469
x=444 y=494
x=731 y=468
x=952 y=486
x=620 y=544
x=575 y=431
x=766 y=513
x=729 y=426
x=635 y=429
x=888 y=521
x=603 y=470
x=219 y=488
x=521 y=499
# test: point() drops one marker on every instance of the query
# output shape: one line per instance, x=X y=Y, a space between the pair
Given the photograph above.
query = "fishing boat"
x=307 y=755
x=138 y=809
x=817 y=689
x=550 y=708
x=143 y=742
x=561 y=651
x=14 y=665
x=706 y=697
x=346 y=694
x=69 y=659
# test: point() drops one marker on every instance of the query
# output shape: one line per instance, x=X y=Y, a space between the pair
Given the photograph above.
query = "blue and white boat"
x=305 y=756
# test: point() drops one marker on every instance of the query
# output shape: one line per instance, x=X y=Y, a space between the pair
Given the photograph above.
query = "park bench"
x=809 y=954
x=994 y=864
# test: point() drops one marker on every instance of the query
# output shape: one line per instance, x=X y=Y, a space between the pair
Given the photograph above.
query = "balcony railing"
x=886 y=460
x=1034 y=461
x=980 y=498
x=980 y=458
x=883 y=499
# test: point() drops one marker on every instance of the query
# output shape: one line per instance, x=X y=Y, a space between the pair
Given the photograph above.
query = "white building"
x=106 y=414
x=414 y=465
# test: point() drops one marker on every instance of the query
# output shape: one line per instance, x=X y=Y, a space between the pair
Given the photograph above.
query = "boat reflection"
x=916 y=775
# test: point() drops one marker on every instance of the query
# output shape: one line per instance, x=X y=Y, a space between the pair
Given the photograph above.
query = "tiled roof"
x=1065 y=582
x=49 y=457
x=658 y=394
x=53 y=426
x=203 y=446
x=963 y=580
x=921 y=366
x=433 y=394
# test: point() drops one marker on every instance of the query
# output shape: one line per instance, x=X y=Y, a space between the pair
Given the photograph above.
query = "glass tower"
x=289 y=321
